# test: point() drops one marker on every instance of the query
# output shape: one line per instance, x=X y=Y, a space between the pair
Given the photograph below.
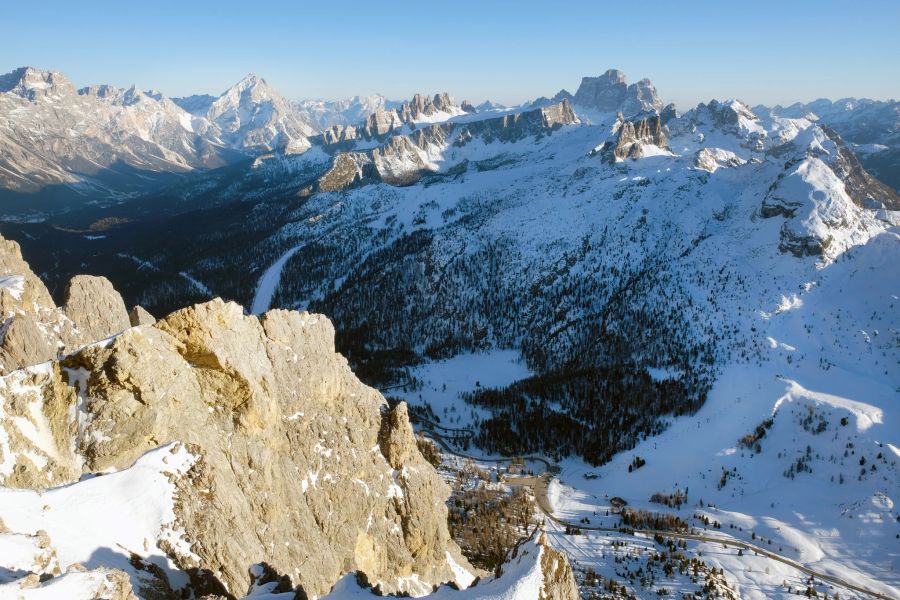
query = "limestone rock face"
x=712 y=159
x=32 y=328
x=399 y=161
x=423 y=106
x=24 y=342
x=641 y=97
x=559 y=581
x=404 y=159
x=347 y=170
x=20 y=288
x=632 y=135
x=396 y=437
x=604 y=93
x=299 y=465
x=138 y=315
x=533 y=571
x=802 y=244
x=95 y=305
x=381 y=123
x=610 y=92
x=270 y=456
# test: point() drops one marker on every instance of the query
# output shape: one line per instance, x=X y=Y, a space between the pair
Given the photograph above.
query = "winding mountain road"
x=540 y=484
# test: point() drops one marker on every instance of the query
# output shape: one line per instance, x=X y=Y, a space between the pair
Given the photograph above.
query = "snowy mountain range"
x=54 y=134
x=324 y=114
x=691 y=315
x=114 y=143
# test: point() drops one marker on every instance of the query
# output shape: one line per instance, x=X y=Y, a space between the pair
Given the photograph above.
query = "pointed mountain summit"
x=252 y=115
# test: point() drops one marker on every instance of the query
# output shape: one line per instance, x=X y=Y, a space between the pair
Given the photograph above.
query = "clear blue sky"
x=759 y=51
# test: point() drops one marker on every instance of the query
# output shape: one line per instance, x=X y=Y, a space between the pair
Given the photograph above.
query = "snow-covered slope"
x=797 y=451
x=103 y=521
x=871 y=127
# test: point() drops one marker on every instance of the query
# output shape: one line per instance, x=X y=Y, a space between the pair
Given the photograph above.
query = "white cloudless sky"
x=761 y=52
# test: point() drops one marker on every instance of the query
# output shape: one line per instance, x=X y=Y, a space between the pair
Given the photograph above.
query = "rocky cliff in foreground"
x=186 y=451
x=34 y=330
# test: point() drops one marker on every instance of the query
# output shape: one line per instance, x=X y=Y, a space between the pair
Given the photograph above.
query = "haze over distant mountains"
x=92 y=139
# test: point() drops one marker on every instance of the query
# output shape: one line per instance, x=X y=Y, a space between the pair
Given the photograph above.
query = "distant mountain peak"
x=100 y=91
x=610 y=92
x=254 y=83
x=31 y=83
x=252 y=114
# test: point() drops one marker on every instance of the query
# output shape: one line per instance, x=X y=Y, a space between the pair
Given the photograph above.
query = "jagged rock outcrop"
x=243 y=438
x=347 y=170
x=641 y=97
x=513 y=127
x=281 y=433
x=404 y=159
x=610 y=92
x=732 y=117
x=382 y=122
x=668 y=113
x=632 y=135
x=138 y=315
x=422 y=106
x=396 y=437
x=401 y=160
x=559 y=581
x=712 y=159
x=533 y=571
x=95 y=305
x=377 y=124
x=32 y=328
x=802 y=243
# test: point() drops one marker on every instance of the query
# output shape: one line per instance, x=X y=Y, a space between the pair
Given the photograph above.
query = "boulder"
x=138 y=315
x=32 y=329
x=96 y=308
